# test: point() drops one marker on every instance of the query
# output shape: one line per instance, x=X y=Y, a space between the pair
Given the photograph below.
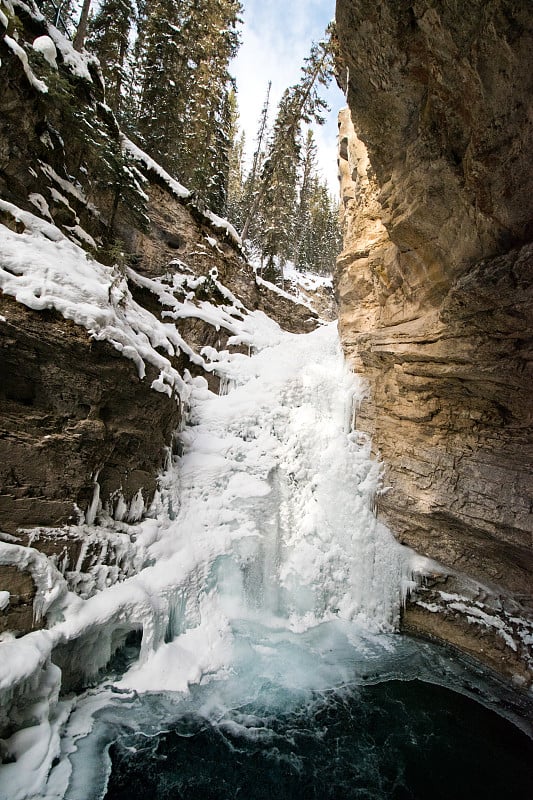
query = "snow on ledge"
x=177 y=189
x=139 y=155
x=42 y=268
x=223 y=224
x=23 y=58
x=299 y=301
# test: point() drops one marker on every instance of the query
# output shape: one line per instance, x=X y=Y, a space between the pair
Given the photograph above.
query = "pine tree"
x=321 y=241
x=81 y=32
x=237 y=145
x=64 y=15
x=301 y=103
x=162 y=91
x=109 y=34
x=213 y=40
x=184 y=116
x=279 y=198
x=302 y=222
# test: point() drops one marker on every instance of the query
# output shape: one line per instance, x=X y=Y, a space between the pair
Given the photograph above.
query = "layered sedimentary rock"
x=435 y=282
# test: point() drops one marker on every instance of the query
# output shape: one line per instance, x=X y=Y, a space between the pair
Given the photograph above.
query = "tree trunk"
x=81 y=33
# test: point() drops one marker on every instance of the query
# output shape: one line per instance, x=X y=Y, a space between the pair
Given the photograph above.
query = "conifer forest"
x=167 y=72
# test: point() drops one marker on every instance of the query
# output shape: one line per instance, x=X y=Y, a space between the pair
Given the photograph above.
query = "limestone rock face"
x=435 y=282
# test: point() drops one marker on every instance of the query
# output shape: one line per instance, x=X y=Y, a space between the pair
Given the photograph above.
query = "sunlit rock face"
x=435 y=279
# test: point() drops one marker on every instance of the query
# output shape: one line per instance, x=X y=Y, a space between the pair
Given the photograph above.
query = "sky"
x=276 y=37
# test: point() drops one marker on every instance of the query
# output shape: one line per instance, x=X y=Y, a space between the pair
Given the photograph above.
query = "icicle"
x=95 y=505
x=137 y=507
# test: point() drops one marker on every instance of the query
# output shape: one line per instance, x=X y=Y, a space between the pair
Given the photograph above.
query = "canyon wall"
x=435 y=286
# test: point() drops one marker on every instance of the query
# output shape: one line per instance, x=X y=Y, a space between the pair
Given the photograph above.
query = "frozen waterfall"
x=260 y=551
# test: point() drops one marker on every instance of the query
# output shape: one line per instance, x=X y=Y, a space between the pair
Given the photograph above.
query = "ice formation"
x=264 y=520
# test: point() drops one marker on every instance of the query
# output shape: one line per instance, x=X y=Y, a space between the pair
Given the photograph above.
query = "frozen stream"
x=269 y=592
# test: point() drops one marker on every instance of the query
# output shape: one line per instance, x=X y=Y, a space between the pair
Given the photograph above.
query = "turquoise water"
x=325 y=714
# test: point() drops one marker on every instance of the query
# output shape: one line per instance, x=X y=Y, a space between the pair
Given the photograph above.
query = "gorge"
x=212 y=529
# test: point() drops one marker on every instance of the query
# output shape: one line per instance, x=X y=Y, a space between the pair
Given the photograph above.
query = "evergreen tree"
x=81 y=32
x=184 y=116
x=252 y=223
x=109 y=34
x=300 y=104
x=321 y=242
x=162 y=96
x=61 y=14
x=279 y=197
x=203 y=161
x=302 y=216
x=236 y=164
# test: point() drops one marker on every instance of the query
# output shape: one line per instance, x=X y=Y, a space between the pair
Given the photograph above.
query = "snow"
x=41 y=268
x=45 y=46
x=81 y=235
x=76 y=62
x=22 y=56
x=301 y=285
x=178 y=190
x=489 y=615
x=4 y=600
x=218 y=316
x=67 y=186
x=478 y=617
x=152 y=166
x=40 y=203
x=49 y=583
x=310 y=281
x=281 y=292
x=3 y=19
x=224 y=225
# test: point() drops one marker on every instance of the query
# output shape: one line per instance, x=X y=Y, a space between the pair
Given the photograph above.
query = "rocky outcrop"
x=74 y=413
x=82 y=430
x=435 y=282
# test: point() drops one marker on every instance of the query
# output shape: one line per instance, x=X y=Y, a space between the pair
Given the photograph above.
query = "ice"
x=261 y=536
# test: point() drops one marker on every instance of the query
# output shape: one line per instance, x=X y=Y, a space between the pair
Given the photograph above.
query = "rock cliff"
x=84 y=430
x=435 y=285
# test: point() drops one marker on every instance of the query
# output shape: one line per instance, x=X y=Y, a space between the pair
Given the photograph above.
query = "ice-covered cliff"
x=112 y=281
